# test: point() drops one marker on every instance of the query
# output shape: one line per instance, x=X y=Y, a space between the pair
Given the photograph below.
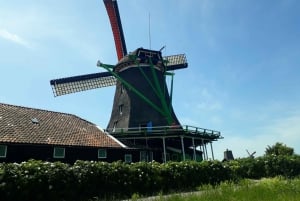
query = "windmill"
x=139 y=78
x=252 y=154
x=142 y=100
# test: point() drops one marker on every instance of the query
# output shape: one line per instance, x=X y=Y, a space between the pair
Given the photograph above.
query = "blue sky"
x=243 y=77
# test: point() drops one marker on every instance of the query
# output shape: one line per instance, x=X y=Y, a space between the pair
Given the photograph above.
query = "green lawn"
x=276 y=189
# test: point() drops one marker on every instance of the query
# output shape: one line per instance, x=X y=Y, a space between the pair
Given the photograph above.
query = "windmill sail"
x=116 y=25
x=82 y=83
x=175 y=62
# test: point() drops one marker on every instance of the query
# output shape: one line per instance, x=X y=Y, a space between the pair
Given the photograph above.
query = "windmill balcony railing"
x=165 y=131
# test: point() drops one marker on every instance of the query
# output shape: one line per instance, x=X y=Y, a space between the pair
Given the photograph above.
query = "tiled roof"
x=35 y=126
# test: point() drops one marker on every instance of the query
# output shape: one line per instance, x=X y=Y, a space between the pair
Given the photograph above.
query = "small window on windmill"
x=122 y=88
x=121 y=109
x=155 y=57
x=141 y=54
x=35 y=121
x=114 y=126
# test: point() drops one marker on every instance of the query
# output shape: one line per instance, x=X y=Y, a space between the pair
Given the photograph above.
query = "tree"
x=279 y=149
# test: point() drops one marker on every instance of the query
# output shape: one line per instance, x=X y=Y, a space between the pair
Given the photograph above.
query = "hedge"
x=38 y=180
x=266 y=166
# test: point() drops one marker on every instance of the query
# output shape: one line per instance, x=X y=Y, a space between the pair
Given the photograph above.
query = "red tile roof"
x=35 y=126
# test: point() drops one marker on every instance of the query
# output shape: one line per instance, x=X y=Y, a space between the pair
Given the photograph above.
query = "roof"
x=35 y=126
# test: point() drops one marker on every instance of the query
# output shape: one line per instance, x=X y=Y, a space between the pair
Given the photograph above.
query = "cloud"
x=238 y=145
x=209 y=105
x=207 y=100
x=14 y=38
x=285 y=129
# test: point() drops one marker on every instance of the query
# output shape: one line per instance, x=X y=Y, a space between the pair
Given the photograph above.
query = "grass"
x=275 y=189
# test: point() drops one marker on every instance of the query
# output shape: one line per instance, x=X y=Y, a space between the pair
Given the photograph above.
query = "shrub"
x=38 y=180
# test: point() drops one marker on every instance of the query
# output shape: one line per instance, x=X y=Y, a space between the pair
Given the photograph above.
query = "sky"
x=243 y=77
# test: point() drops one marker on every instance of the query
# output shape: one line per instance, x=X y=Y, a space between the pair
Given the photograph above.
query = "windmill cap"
x=141 y=57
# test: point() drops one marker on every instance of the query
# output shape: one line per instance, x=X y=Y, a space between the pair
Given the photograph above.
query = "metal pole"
x=206 y=151
x=182 y=147
x=202 y=149
x=164 y=147
x=212 y=151
x=194 y=150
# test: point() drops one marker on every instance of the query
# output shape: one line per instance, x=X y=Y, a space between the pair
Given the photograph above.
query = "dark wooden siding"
x=24 y=152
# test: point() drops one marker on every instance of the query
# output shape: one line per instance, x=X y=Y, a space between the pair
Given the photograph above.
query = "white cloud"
x=238 y=145
x=209 y=105
x=208 y=100
x=14 y=38
x=284 y=129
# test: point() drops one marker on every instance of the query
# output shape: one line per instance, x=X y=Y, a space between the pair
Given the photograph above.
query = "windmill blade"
x=116 y=25
x=175 y=62
x=81 y=83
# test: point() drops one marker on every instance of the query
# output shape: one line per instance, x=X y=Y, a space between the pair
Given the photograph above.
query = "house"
x=28 y=133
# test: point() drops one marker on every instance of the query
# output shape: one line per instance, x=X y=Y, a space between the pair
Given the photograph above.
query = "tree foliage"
x=279 y=149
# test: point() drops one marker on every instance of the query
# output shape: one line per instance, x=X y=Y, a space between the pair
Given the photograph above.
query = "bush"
x=266 y=166
x=38 y=180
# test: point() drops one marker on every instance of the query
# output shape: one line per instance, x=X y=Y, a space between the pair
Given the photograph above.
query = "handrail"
x=186 y=129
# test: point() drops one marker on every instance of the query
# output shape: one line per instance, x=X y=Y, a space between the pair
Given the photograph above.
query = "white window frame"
x=55 y=152
x=126 y=157
x=5 y=151
x=105 y=153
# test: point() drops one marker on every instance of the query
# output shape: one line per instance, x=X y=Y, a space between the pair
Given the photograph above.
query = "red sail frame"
x=115 y=21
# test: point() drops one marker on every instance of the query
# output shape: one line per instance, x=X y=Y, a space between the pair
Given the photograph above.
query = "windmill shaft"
x=116 y=25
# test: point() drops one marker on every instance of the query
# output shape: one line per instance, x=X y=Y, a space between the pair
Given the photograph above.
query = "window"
x=59 y=152
x=35 y=121
x=114 y=126
x=146 y=156
x=151 y=156
x=122 y=88
x=128 y=158
x=3 y=151
x=143 y=156
x=121 y=109
x=102 y=153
